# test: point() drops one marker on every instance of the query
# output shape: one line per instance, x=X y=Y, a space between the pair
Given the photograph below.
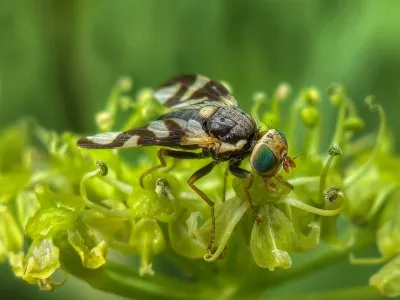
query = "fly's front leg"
x=226 y=173
x=196 y=176
x=283 y=181
x=242 y=173
x=171 y=153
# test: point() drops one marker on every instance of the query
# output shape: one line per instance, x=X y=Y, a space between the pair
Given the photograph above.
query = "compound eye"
x=263 y=159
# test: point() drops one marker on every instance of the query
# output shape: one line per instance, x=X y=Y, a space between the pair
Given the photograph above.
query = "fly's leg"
x=242 y=173
x=196 y=176
x=283 y=181
x=171 y=153
x=175 y=162
x=226 y=173
x=269 y=184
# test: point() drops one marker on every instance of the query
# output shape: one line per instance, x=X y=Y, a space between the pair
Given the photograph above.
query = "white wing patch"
x=163 y=94
x=103 y=138
x=159 y=129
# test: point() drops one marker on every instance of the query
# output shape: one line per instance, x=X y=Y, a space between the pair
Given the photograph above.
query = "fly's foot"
x=269 y=184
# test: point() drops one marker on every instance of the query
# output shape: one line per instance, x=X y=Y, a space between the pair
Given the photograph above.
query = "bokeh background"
x=59 y=60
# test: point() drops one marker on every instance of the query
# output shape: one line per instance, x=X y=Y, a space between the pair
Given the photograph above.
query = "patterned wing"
x=185 y=90
x=172 y=132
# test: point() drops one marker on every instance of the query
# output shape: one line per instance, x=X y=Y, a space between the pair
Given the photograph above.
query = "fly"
x=204 y=116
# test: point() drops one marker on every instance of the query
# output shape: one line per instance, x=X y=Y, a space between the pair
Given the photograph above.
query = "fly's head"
x=271 y=153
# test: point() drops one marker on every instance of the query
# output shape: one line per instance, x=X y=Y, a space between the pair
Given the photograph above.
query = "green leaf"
x=388 y=234
x=387 y=280
x=42 y=261
x=50 y=221
x=92 y=253
x=271 y=241
x=27 y=206
x=227 y=216
x=182 y=240
x=61 y=199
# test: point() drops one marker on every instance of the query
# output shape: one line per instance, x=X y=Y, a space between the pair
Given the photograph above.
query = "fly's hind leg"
x=171 y=153
x=226 y=173
x=196 y=176
x=242 y=173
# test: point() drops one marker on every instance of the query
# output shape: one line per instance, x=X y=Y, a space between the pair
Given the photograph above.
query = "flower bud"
x=126 y=103
x=337 y=94
x=259 y=97
x=125 y=83
x=310 y=116
x=311 y=96
x=354 y=124
x=283 y=91
x=104 y=121
x=144 y=96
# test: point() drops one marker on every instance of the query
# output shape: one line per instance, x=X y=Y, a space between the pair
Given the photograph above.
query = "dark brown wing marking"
x=186 y=90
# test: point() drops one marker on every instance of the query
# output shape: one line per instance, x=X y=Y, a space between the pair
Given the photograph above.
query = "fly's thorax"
x=269 y=152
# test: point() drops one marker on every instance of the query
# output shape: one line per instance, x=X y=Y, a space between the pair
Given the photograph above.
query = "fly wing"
x=172 y=132
x=186 y=90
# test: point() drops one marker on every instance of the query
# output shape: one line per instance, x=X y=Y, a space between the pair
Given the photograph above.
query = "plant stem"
x=362 y=292
x=379 y=141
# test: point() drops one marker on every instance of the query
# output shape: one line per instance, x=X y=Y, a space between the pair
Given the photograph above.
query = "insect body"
x=205 y=117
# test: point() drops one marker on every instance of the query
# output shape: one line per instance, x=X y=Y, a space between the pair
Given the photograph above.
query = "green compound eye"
x=263 y=159
x=283 y=136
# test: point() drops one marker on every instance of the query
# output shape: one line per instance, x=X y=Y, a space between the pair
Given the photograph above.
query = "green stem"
x=101 y=209
x=299 y=181
x=333 y=151
x=258 y=101
x=379 y=140
x=362 y=292
x=119 y=185
x=338 y=137
x=292 y=120
x=321 y=212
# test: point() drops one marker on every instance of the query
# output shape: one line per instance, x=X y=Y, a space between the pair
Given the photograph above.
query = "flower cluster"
x=69 y=210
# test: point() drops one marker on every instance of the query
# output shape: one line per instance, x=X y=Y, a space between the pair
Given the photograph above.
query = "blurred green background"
x=59 y=60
